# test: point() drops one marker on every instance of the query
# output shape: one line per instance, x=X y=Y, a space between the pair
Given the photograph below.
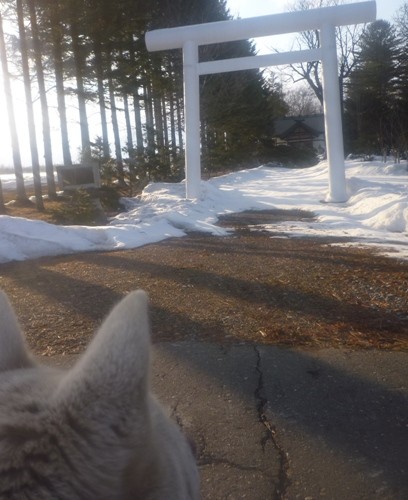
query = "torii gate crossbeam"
x=325 y=19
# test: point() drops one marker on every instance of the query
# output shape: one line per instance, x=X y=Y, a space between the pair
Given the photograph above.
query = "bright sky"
x=251 y=8
x=386 y=9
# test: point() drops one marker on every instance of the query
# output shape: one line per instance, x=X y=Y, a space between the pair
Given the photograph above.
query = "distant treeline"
x=94 y=51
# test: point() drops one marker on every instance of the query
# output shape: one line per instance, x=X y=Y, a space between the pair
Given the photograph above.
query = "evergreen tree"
x=94 y=50
x=29 y=107
x=54 y=42
x=18 y=168
x=79 y=50
x=46 y=129
x=402 y=107
x=373 y=91
x=237 y=108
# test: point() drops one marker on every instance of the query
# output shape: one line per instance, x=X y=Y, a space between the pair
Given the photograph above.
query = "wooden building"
x=301 y=131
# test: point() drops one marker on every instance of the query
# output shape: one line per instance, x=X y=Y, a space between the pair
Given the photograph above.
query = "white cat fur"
x=94 y=432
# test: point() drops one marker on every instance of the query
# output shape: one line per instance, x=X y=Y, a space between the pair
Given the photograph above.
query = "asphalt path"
x=276 y=423
x=283 y=423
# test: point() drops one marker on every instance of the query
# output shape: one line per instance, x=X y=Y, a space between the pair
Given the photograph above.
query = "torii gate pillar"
x=192 y=119
x=325 y=19
x=332 y=116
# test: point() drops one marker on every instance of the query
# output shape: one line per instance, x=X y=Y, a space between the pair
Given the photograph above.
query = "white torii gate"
x=325 y=19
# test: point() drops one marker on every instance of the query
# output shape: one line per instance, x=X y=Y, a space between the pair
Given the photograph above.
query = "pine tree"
x=402 y=104
x=236 y=107
x=94 y=49
x=18 y=168
x=54 y=33
x=35 y=38
x=29 y=106
x=372 y=91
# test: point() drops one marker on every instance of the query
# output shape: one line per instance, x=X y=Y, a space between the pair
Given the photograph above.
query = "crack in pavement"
x=271 y=432
x=210 y=459
x=176 y=416
x=207 y=458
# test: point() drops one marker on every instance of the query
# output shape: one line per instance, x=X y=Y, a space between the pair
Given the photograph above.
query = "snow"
x=375 y=216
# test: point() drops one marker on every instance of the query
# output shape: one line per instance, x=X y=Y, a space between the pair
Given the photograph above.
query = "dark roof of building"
x=314 y=124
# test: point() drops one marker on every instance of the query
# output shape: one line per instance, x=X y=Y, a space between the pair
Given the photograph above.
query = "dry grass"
x=30 y=211
x=247 y=287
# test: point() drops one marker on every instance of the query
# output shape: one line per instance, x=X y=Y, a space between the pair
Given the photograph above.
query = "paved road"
x=289 y=423
x=276 y=423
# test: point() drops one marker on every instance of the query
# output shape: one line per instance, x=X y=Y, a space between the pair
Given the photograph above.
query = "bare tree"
x=401 y=20
x=301 y=101
x=347 y=40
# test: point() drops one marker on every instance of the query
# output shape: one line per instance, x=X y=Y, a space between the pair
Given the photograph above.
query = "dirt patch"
x=29 y=210
x=248 y=218
x=245 y=287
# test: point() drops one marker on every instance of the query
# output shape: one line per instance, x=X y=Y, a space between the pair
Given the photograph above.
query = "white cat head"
x=93 y=432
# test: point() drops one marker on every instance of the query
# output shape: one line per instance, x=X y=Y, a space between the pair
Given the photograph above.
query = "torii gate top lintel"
x=325 y=19
x=254 y=27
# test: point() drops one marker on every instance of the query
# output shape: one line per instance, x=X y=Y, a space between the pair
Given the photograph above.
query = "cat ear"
x=13 y=351
x=111 y=378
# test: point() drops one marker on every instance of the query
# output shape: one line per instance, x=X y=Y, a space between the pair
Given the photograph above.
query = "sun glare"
x=21 y=123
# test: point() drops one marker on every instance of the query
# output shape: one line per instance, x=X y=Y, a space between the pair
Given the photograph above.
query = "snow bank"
x=375 y=215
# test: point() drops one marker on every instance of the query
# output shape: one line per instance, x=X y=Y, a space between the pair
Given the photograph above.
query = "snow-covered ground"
x=376 y=214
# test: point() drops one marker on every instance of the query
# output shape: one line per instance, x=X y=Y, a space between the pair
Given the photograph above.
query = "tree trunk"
x=79 y=66
x=2 y=206
x=158 y=120
x=179 y=104
x=149 y=120
x=59 y=84
x=136 y=101
x=49 y=166
x=18 y=168
x=101 y=97
x=29 y=107
x=172 y=123
x=165 y=124
x=177 y=97
x=115 y=126
x=128 y=127
x=138 y=121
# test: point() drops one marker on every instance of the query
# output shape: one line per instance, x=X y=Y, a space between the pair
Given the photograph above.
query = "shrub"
x=76 y=208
